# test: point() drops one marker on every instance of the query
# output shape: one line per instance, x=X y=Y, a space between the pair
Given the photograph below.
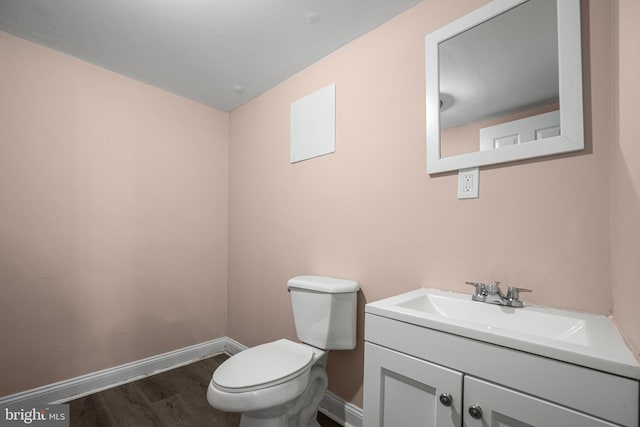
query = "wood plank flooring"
x=169 y=399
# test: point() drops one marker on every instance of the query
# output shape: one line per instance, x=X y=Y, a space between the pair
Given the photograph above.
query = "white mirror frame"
x=571 y=136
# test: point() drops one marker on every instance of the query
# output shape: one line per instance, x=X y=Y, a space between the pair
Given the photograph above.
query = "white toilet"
x=281 y=383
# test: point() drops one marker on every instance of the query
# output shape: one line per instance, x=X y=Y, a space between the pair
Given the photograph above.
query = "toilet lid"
x=263 y=365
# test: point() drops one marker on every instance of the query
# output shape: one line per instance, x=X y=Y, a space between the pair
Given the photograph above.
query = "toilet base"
x=301 y=412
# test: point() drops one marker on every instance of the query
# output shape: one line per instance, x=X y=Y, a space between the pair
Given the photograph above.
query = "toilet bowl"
x=281 y=383
x=270 y=381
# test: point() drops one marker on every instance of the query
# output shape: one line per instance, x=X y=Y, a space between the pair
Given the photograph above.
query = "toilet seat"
x=263 y=366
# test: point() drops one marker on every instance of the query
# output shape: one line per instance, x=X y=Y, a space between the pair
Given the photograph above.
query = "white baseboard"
x=334 y=407
x=74 y=388
x=233 y=347
x=340 y=411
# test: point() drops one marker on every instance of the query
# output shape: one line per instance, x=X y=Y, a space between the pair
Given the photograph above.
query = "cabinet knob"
x=445 y=399
x=475 y=411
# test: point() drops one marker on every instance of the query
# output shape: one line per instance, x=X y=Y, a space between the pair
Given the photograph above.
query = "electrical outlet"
x=468 y=183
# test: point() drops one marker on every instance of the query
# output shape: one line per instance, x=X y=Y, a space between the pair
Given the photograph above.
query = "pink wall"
x=113 y=218
x=371 y=213
x=625 y=183
x=113 y=227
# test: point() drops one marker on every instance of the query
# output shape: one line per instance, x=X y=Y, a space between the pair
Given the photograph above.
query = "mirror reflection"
x=499 y=81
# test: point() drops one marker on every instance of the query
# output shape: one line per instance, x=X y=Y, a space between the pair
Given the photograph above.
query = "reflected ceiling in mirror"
x=484 y=74
x=496 y=81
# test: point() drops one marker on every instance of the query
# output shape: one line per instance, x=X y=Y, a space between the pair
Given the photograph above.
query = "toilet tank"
x=324 y=311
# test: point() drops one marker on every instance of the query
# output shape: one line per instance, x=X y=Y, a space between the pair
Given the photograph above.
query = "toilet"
x=281 y=383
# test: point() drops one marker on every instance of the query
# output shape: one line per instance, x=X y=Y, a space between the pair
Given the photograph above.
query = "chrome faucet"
x=492 y=294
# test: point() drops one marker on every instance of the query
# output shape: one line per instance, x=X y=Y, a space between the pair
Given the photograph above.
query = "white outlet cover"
x=313 y=125
x=468 y=183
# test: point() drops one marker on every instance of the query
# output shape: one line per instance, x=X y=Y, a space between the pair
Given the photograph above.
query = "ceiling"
x=222 y=53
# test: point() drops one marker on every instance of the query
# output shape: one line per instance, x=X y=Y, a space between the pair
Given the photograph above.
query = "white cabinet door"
x=502 y=407
x=403 y=391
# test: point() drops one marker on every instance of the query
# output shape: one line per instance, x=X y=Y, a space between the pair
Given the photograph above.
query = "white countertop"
x=583 y=339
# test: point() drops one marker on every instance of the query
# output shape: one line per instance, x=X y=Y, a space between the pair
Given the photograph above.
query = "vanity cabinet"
x=415 y=393
x=416 y=376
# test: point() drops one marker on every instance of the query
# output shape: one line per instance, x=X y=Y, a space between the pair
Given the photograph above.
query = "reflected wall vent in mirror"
x=510 y=63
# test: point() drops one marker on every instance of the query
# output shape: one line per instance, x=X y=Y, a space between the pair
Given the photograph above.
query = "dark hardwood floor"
x=169 y=399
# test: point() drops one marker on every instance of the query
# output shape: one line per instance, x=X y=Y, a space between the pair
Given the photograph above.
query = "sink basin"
x=581 y=338
x=530 y=322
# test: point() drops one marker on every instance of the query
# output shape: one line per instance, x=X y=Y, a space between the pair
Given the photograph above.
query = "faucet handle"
x=478 y=285
x=481 y=291
x=513 y=296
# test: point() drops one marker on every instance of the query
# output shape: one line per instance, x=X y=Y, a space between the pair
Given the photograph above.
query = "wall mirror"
x=504 y=83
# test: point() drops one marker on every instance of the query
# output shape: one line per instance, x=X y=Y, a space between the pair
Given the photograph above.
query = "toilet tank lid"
x=323 y=284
